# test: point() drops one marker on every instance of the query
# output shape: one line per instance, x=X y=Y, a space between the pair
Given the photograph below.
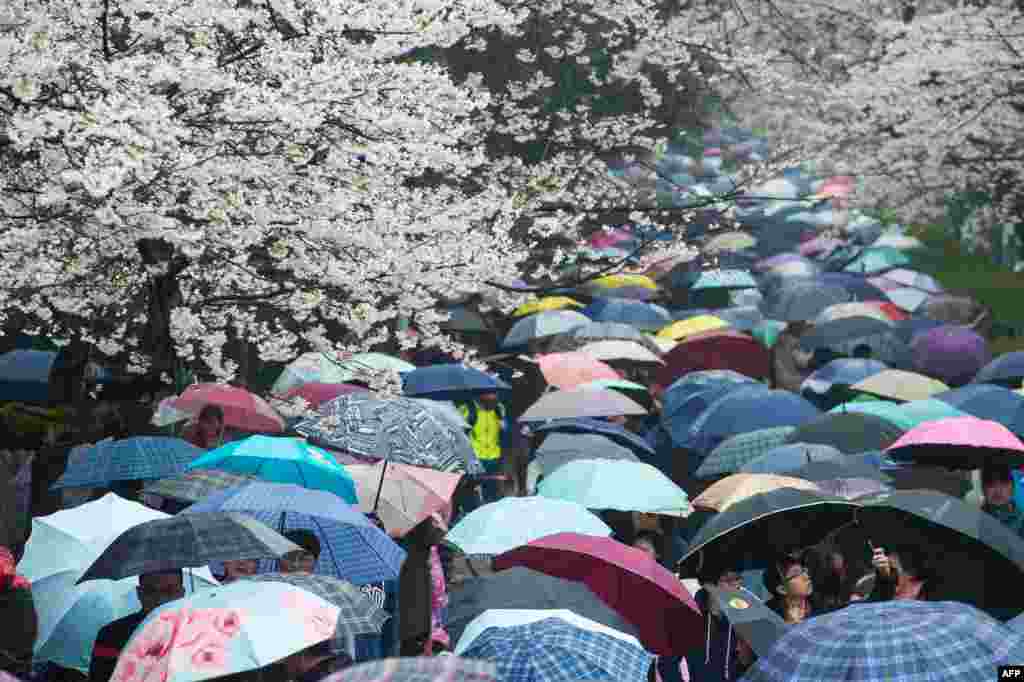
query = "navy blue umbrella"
x=686 y=403
x=450 y=382
x=988 y=401
x=835 y=376
x=25 y=375
x=1006 y=369
x=646 y=316
x=584 y=425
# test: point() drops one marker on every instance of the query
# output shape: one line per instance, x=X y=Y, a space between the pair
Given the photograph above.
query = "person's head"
x=156 y=589
x=723 y=579
x=648 y=542
x=788 y=578
x=210 y=422
x=997 y=484
x=239 y=568
x=488 y=400
x=912 y=570
x=303 y=560
x=827 y=569
x=427 y=533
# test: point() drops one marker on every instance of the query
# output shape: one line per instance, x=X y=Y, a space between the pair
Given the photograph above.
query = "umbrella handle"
x=380 y=486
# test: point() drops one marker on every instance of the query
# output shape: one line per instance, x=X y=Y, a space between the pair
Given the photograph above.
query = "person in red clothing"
x=19 y=616
x=154 y=590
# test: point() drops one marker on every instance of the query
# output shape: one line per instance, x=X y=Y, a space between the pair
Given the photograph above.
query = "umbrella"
x=692 y=326
x=420 y=669
x=841 y=311
x=316 y=393
x=140 y=458
x=396 y=429
x=615 y=349
x=767 y=333
x=911 y=641
x=841 y=331
x=603 y=331
x=545 y=304
x=514 y=521
x=904 y=416
x=450 y=382
x=722 y=349
x=785 y=459
x=226 y=630
x=973 y=553
x=363 y=363
x=953 y=354
x=352 y=548
x=720 y=279
x=520 y=589
x=729 y=241
x=752 y=532
x=281 y=460
x=558 y=449
x=543 y=325
x=819 y=245
x=643 y=316
x=896 y=384
x=914 y=279
x=309 y=368
x=463 y=319
x=907 y=329
x=749 y=617
x=402 y=495
x=958 y=443
x=621 y=281
x=243 y=410
x=797 y=266
x=569 y=370
x=766 y=264
x=196 y=484
x=25 y=375
x=800 y=300
x=627 y=579
x=907 y=299
x=683 y=404
x=741 y=318
x=552 y=650
x=501 y=618
x=185 y=541
x=615 y=484
x=1007 y=369
x=876 y=259
x=853 y=488
x=732 y=489
x=613 y=432
x=830 y=383
x=581 y=402
x=737 y=450
x=987 y=401
x=848 y=432
x=747 y=408
x=848 y=466
x=954 y=309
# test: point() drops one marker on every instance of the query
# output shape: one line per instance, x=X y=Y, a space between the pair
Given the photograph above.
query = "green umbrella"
x=877 y=259
x=906 y=415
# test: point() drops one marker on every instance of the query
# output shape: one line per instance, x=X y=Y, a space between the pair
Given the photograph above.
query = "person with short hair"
x=237 y=569
x=789 y=583
x=903 y=573
x=997 y=488
x=713 y=661
x=304 y=560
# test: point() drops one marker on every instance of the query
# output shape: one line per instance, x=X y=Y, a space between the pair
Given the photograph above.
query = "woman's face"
x=797 y=581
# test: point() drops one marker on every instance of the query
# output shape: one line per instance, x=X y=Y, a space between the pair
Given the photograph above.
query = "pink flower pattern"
x=320 y=620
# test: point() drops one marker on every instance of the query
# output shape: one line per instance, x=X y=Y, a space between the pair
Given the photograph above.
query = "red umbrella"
x=718 y=349
x=628 y=580
x=316 y=393
x=243 y=410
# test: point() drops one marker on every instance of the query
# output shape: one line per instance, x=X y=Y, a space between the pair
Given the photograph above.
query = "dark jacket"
x=415 y=587
x=111 y=639
x=326 y=667
x=371 y=647
x=714 y=661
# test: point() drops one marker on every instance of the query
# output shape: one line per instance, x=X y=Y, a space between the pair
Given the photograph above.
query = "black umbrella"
x=838 y=333
x=751 y=533
x=848 y=432
x=521 y=588
x=749 y=617
x=803 y=300
x=974 y=557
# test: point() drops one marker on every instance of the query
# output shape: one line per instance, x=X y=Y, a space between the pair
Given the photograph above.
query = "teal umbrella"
x=516 y=521
x=282 y=460
x=904 y=415
x=877 y=259
x=615 y=484
x=767 y=332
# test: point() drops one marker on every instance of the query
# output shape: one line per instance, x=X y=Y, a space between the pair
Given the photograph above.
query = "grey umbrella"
x=803 y=300
x=562 y=448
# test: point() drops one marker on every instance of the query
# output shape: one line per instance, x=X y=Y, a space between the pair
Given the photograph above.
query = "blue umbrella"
x=906 y=640
x=584 y=425
x=552 y=650
x=798 y=300
x=1007 y=369
x=742 y=318
x=711 y=377
x=645 y=316
x=988 y=401
x=450 y=382
x=840 y=373
x=788 y=458
x=130 y=459
x=352 y=548
x=684 y=405
x=858 y=285
x=25 y=375
x=540 y=325
x=721 y=279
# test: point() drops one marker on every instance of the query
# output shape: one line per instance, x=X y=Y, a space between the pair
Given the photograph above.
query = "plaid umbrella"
x=910 y=641
x=196 y=485
x=185 y=541
x=397 y=429
x=552 y=650
x=145 y=457
x=736 y=451
x=439 y=669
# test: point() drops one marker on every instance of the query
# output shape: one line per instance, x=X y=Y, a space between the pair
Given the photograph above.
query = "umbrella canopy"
x=752 y=532
x=140 y=458
x=310 y=368
x=402 y=495
x=622 y=281
x=420 y=669
x=737 y=450
x=627 y=579
x=552 y=650
x=836 y=333
x=741 y=317
x=849 y=466
x=581 y=402
x=243 y=410
x=316 y=393
x=913 y=641
x=542 y=325
x=615 y=349
x=396 y=429
x=876 y=259
x=829 y=385
x=747 y=408
x=732 y=489
x=972 y=553
x=683 y=404
x=749 y=617
x=544 y=304
x=558 y=449
x=613 y=432
x=692 y=326
x=904 y=416
x=767 y=333
x=729 y=241
x=785 y=459
x=959 y=443
x=352 y=548
x=187 y=541
x=514 y=521
x=603 y=331
x=801 y=300
x=819 y=245
x=463 y=319
x=907 y=299
x=987 y=401
x=25 y=375
x=716 y=350
x=569 y=370
x=521 y=589
x=953 y=354
x=362 y=363
x=903 y=242
x=226 y=630
x=849 y=432
x=451 y=382
x=912 y=278
x=281 y=460
x=643 y=316
x=615 y=484
x=503 y=618
x=841 y=311
x=720 y=279
x=896 y=384
x=1007 y=369
x=196 y=484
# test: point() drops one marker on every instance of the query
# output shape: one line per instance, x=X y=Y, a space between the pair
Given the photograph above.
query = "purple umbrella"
x=951 y=353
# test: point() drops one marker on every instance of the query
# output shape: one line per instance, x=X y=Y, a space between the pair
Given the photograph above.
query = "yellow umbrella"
x=895 y=384
x=692 y=326
x=730 y=241
x=619 y=281
x=738 y=487
x=546 y=303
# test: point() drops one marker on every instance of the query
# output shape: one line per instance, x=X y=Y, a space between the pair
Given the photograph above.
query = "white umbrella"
x=581 y=402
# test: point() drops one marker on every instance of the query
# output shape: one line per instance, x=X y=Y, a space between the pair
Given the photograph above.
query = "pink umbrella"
x=958 y=443
x=605 y=240
x=242 y=410
x=818 y=245
x=569 y=370
x=403 y=495
x=628 y=580
x=317 y=393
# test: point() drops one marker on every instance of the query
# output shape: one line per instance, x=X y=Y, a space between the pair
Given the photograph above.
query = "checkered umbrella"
x=184 y=541
x=398 y=429
x=144 y=457
x=552 y=650
x=736 y=451
x=197 y=484
x=910 y=641
x=439 y=669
